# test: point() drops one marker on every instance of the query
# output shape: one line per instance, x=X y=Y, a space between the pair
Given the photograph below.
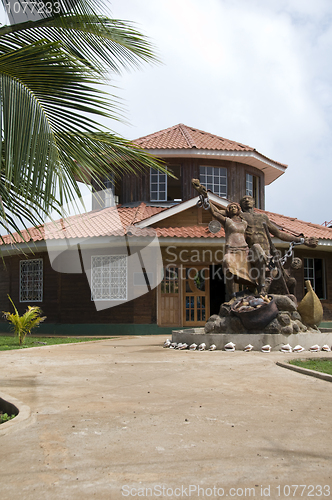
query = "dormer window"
x=215 y=179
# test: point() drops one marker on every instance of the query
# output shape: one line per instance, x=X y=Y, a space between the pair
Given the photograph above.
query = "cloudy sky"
x=258 y=72
x=254 y=71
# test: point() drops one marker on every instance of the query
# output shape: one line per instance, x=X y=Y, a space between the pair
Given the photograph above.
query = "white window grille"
x=109 y=277
x=158 y=185
x=31 y=280
x=214 y=178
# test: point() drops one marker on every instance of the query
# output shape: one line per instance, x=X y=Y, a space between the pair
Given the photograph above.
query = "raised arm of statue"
x=310 y=242
x=218 y=214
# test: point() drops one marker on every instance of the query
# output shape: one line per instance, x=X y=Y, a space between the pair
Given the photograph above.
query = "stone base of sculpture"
x=286 y=319
x=285 y=328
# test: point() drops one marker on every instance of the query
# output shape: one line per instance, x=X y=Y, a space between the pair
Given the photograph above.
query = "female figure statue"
x=235 y=262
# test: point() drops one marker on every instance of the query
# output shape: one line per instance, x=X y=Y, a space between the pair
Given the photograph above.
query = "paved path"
x=125 y=413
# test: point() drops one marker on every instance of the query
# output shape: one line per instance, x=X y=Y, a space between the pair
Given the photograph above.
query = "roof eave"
x=271 y=169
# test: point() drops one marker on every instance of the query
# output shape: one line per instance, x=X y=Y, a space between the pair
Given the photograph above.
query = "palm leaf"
x=49 y=140
x=50 y=108
x=97 y=40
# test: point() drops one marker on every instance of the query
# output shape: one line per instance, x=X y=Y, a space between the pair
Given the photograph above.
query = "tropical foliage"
x=52 y=69
x=22 y=325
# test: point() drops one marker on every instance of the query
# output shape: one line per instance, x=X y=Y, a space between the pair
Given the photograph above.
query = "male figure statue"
x=258 y=242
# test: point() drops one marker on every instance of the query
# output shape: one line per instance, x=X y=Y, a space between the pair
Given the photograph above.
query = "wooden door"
x=169 y=298
x=196 y=304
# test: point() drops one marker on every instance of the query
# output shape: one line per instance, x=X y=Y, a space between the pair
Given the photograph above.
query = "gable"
x=178 y=210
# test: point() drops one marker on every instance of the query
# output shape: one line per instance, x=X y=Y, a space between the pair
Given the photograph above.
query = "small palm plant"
x=22 y=325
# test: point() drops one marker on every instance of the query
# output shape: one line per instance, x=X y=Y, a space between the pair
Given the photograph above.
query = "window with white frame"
x=214 y=178
x=109 y=277
x=315 y=273
x=31 y=280
x=158 y=185
x=252 y=188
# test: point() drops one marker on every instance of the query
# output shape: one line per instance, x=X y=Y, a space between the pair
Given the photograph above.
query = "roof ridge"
x=185 y=131
x=140 y=206
x=186 y=134
x=156 y=134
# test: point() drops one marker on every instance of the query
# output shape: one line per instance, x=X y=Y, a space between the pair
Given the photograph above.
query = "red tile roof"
x=183 y=137
x=112 y=221
x=297 y=226
x=117 y=221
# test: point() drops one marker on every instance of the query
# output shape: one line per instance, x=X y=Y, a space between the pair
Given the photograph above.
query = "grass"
x=318 y=365
x=7 y=343
x=4 y=417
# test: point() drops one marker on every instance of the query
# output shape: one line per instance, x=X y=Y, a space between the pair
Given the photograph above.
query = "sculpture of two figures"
x=250 y=257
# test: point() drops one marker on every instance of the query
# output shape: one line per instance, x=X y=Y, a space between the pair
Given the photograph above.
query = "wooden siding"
x=189 y=217
x=136 y=188
x=67 y=298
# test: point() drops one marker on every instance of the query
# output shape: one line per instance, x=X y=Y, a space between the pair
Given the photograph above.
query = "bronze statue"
x=258 y=241
x=248 y=229
x=235 y=262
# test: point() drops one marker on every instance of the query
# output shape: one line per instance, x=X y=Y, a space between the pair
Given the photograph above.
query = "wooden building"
x=151 y=262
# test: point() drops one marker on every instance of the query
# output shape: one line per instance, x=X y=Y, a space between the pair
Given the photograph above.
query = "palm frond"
x=96 y=40
x=50 y=107
x=49 y=139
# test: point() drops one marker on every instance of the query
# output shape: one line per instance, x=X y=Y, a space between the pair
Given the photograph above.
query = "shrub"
x=22 y=325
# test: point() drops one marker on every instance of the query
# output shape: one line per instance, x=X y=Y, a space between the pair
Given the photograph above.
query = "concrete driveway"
x=125 y=418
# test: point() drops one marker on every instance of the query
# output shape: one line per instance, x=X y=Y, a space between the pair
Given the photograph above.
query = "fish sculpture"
x=193 y=347
x=212 y=347
x=326 y=348
x=266 y=348
x=202 y=346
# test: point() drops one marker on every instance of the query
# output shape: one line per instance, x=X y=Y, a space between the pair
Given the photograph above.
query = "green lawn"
x=319 y=365
x=8 y=343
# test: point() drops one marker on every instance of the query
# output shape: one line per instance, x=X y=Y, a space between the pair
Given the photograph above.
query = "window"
x=158 y=185
x=170 y=281
x=314 y=272
x=214 y=178
x=252 y=188
x=109 y=277
x=31 y=280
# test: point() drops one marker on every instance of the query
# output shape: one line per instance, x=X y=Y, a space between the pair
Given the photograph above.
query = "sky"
x=253 y=71
x=257 y=72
